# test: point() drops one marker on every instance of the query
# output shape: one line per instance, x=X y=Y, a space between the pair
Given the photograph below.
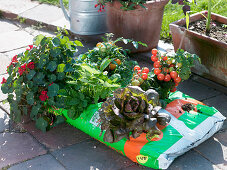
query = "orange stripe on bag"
x=133 y=146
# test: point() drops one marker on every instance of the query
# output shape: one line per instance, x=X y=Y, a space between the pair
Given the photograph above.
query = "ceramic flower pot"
x=140 y=24
x=212 y=52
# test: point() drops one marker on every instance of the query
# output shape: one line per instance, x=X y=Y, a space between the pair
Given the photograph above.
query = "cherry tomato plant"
x=107 y=56
x=139 y=75
x=169 y=71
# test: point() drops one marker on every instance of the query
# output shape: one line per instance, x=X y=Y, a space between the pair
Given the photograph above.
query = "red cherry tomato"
x=154 y=58
x=176 y=84
x=173 y=90
x=157 y=71
x=171 y=65
x=144 y=76
x=157 y=64
x=173 y=74
x=138 y=72
x=145 y=70
x=161 y=77
x=177 y=80
x=154 y=51
x=136 y=68
x=165 y=58
x=167 y=78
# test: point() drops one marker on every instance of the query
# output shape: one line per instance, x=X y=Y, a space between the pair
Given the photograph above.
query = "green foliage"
x=36 y=76
x=88 y=86
x=106 y=53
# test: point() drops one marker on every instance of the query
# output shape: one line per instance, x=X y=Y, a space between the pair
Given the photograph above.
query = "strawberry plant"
x=35 y=77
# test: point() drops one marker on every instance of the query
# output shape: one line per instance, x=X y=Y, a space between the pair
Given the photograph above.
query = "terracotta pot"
x=212 y=52
x=139 y=24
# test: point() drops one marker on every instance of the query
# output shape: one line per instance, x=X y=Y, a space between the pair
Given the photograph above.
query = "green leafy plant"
x=131 y=111
x=107 y=56
x=87 y=85
x=35 y=77
x=169 y=71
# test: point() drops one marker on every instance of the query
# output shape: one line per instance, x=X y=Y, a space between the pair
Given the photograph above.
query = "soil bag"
x=186 y=130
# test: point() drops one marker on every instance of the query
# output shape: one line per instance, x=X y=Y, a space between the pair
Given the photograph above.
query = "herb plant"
x=87 y=85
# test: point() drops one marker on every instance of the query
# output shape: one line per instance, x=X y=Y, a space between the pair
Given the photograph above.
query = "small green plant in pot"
x=35 y=77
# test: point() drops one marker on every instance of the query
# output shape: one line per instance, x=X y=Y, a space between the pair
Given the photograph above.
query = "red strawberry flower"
x=3 y=80
x=31 y=65
x=23 y=67
x=20 y=71
x=14 y=60
x=43 y=96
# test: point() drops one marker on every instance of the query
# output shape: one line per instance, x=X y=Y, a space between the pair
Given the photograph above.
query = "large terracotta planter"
x=212 y=52
x=139 y=24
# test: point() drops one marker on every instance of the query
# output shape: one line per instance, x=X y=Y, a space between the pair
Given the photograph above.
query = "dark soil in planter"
x=217 y=31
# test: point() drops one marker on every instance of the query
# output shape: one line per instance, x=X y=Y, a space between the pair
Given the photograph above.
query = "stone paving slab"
x=4 y=62
x=43 y=13
x=4 y=121
x=17 y=6
x=43 y=162
x=14 y=39
x=215 y=150
x=7 y=25
x=197 y=90
x=91 y=154
x=17 y=147
x=61 y=136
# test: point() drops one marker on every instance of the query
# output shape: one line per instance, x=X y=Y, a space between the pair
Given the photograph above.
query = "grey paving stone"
x=17 y=147
x=12 y=53
x=43 y=13
x=39 y=163
x=136 y=166
x=6 y=25
x=4 y=121
x=191 y=161
x=17 y=6
x=91 y=154
x=58 y=137
x=215 y=150
x=62 y=22
x=4 y=62
x=14 y=39
x=34 y=31
x=196 y=90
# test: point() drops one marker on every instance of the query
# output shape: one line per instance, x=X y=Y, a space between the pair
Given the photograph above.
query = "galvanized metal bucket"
x=84 y=18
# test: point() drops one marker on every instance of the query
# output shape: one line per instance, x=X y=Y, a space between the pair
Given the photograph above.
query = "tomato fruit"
x=167 y=78
x=161 y=77
x=136 y=68
x=176 y=84
x=157 y=64
x=165 y=58
x=154 y=58
x=157 y=71
x=135 y=83
x=171 y=69
x=173 y=90
x=138 y=72
x=169 y=62
x=171 y=65
x=177 y=80
x=173 y=74
x=112 y=66
x=179 y=65
x=144 y=76
x=99 y=45
x=145 y=70
x=118 y=61
x=154 y=51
